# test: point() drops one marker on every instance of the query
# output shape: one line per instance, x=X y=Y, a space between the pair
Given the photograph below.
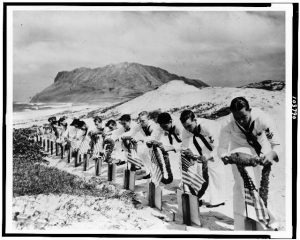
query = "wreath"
x=110 y=144
x=243 y=160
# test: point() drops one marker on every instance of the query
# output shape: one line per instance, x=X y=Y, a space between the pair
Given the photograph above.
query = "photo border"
x=295 y=23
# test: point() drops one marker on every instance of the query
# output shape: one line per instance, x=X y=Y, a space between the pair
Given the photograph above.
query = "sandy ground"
x=122 y=216
x=65 y=212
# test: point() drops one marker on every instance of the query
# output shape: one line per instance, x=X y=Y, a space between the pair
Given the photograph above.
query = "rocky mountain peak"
x=119 y=81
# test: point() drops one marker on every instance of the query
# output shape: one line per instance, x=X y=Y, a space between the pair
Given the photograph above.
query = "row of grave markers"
x=188 y=204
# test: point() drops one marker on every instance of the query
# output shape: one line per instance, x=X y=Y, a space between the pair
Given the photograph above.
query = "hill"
x=175 y=96
x=115 y=82
x=271 y=85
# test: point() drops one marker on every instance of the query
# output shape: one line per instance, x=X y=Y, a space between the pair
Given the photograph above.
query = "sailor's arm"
x=186 y=137
x=224 y=140
x=273 y=137
x=117 y=134
x=132 y=132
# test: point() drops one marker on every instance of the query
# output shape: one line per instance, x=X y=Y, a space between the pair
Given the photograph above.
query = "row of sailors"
x=202 y=136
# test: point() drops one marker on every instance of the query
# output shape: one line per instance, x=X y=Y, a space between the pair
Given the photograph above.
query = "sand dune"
x=177 y=94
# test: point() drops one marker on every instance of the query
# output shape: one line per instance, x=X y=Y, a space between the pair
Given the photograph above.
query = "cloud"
x=216 y=47
x=276 y=17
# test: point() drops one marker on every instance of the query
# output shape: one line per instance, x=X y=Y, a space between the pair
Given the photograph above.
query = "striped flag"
x=156 y=174
x=74 y=143
x=255 y=207
x=85 y=145
x=188 y=177
x=98 y=147
x=133 y=159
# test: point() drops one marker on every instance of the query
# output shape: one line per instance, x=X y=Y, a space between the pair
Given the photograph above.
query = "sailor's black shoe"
x=215 y=205
x=120 y=163
x=146 y=176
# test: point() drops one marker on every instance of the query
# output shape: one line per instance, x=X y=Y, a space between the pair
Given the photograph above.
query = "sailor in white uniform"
x=254 y=131
x=199 y=135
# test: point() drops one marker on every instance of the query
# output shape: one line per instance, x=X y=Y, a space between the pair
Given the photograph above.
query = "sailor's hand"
x=211 y=159
x=187 y=151
x=153 y=142
x=169 y=148
x=225 y=158
x=179 y=149
x=269 y=158
x=149 y=143
x=126 y=138
x=139 y=140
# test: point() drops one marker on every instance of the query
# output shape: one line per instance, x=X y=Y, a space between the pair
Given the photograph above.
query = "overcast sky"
x=219 y=48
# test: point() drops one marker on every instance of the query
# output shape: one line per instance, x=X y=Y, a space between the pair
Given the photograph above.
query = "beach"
x=120 y=215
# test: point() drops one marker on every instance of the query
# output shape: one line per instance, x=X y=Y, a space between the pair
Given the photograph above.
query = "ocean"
x=23 y=106
x=26 y=114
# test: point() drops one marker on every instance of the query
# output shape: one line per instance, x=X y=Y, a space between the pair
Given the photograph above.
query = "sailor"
x=142 y=133
x=255 y=131
x=199 y=135
x=70 y=134
x=169 y=134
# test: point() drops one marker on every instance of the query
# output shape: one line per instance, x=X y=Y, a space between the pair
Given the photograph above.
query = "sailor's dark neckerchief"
x=199 y=135
x=172 y=132
x=250 y=137
x=126 y=129
x=147 y=130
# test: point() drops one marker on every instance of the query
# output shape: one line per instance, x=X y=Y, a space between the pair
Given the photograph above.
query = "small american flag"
x=190 y=178
x=255 y=207
x=85 y=145
x=74 y=143
x=98 y=147
x=156 y=174
x=133 y=159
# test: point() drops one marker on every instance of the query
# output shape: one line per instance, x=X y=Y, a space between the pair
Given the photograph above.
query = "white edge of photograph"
x=148 y=119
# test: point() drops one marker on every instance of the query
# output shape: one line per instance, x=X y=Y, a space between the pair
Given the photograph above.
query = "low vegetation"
x=32 y=176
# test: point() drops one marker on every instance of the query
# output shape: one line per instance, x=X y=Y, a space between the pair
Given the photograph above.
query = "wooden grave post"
x=56 y=149
x=126 y=178
x=186 y=214
x=158 y=197
x=111 y=172
x=62 y=151
x=151 y=194
x=154 y=195
x=129 y=180
x=48 y=145
x=85 y=161
x=76 y=155
x=69 y=155
x=98 y=165
x=51 y=147
x=129 y=175
x=132 y=180
x=188 y=208
x=79 y=158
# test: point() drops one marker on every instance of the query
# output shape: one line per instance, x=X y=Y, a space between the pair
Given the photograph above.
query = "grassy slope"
x=31 y=176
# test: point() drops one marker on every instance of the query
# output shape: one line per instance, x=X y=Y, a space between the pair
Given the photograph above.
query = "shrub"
x=31 y=176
